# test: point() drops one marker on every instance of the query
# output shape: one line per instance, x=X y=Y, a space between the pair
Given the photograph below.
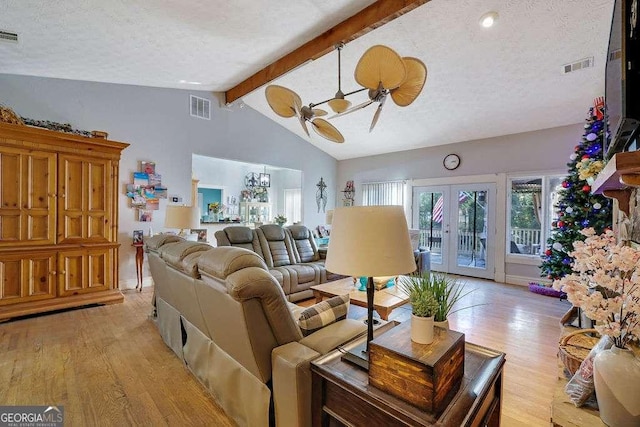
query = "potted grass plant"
x=423 y=307
x=447 y=291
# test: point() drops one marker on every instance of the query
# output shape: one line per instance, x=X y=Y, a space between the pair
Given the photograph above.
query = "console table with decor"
x=342 y=395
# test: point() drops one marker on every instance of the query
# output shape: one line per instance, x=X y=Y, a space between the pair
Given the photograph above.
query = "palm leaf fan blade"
x=327 y=130
x=380 y=65
x=409 y=90
x=282 y=100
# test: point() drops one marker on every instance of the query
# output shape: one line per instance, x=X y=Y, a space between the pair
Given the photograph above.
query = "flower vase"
x=616 y=376
x=215 y=217
x=421 y=329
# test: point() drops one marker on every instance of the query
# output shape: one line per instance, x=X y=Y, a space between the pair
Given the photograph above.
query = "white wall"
x=157 y=124
x=485 y=160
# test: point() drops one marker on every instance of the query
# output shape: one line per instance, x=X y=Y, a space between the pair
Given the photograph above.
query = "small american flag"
x=437 y=212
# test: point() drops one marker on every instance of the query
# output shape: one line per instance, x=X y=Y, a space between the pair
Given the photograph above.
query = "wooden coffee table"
x=384 y=300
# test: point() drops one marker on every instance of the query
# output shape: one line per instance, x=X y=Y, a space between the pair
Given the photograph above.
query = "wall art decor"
x=146 y=191
x=321 y=195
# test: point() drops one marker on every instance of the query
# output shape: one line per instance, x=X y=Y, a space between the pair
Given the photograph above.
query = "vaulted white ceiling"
x=481 y=82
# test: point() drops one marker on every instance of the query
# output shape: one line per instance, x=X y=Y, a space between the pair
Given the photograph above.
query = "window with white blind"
x=293 y=205
x=383 y=193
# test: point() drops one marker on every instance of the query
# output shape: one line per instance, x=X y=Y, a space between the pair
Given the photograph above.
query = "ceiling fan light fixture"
x=338 y=105
x=488 y=19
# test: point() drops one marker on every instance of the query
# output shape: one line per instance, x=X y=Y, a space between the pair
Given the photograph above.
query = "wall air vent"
x=200 y=107
x=8 y=37
x=578 y=65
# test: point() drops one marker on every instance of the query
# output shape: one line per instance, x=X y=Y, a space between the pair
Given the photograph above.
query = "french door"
x=457 y=223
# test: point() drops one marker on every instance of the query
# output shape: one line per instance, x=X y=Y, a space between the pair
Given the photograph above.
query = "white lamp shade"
x=370 y=241
x=181 y=217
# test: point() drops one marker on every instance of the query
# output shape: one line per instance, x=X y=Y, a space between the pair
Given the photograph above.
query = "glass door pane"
x=472 y=245
x=429 y=217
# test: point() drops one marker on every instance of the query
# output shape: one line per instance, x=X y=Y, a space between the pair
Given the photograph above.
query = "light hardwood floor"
x=108 y=366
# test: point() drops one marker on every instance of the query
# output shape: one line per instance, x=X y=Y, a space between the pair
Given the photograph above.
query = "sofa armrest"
x=331 y=336
x=291 y=374
x=291 y=377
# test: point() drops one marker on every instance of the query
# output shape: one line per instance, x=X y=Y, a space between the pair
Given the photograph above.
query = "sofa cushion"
x=153 y=243
x=174 y=253
x=222 y=261
x=189 y=264
x=276 y=245
x=323 y=313
x=304 y=243
x=239 y=236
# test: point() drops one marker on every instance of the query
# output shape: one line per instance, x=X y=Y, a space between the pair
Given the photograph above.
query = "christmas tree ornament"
x=557 y=246
x=573 y=156
x=586 y=188
x=597 y=206
x=566 y=261
x=548 y=252
x=591 y=137
x=569 y=209
x=560 y=224
x=585 y=223
x=566 y=184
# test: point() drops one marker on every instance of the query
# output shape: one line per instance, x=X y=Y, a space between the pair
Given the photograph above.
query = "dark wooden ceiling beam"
x=368 y=19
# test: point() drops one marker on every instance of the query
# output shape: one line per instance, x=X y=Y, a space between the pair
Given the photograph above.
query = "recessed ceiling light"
x=189 y=83
x=488 y=19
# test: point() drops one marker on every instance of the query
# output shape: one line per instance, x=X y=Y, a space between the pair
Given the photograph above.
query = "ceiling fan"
x=286 y=103
x=380 y=70
x=384 y=72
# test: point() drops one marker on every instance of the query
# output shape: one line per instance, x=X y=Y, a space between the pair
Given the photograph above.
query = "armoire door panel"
x=97 y=226
x=97 y=180
x=27 y=190
x=38 y=226
x=86 y=205
x=9 y=227
x=11 y=279
x=71 y=272
x=100 y=262
x=10 y=173
x=26 y=277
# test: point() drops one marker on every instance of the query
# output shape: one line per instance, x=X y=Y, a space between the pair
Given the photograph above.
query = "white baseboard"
x=132 y=283
x=523 y=280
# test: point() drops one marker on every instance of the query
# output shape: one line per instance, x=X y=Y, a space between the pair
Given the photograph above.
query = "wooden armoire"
x=58 y=220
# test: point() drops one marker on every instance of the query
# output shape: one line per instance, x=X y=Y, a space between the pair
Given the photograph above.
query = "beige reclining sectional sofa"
x=290 y=253
x=225 y=315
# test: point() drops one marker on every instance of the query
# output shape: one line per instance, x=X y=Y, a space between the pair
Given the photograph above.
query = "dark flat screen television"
x=622 y=81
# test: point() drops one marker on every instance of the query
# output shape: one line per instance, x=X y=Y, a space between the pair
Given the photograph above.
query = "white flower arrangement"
x=606 y=285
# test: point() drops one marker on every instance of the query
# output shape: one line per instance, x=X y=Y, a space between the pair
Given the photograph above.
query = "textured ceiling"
x=481 y=83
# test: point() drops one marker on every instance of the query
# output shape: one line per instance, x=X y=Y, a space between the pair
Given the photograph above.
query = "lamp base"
x=358 y=356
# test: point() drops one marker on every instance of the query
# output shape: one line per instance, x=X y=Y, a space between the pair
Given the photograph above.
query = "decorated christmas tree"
x=576 y=207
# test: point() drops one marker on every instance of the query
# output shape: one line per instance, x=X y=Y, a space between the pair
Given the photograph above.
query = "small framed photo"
x=265 y=180
x=202 y=234
x=148 y=167
x=145 y=216
x=138 y=236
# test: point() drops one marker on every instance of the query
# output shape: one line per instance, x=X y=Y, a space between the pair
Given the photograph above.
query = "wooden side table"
x=139 y=262
x=342 y=395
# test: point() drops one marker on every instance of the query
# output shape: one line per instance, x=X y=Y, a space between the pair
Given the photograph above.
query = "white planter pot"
x=616 y=376
x=444 y=324
x=421 y=329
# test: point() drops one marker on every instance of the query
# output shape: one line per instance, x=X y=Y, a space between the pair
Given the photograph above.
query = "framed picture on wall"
x=138 y=236
x=265 y=180
x=202 y=234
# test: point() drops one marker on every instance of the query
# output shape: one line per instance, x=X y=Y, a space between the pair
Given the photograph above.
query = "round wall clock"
x=451 y=161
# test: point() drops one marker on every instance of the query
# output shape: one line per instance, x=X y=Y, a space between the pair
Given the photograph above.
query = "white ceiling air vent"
x=578 y=65
x=8 y=37
x=200 y=107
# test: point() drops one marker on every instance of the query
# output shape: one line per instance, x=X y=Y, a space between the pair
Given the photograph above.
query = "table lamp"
x=181 y=217
x=369 y=241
